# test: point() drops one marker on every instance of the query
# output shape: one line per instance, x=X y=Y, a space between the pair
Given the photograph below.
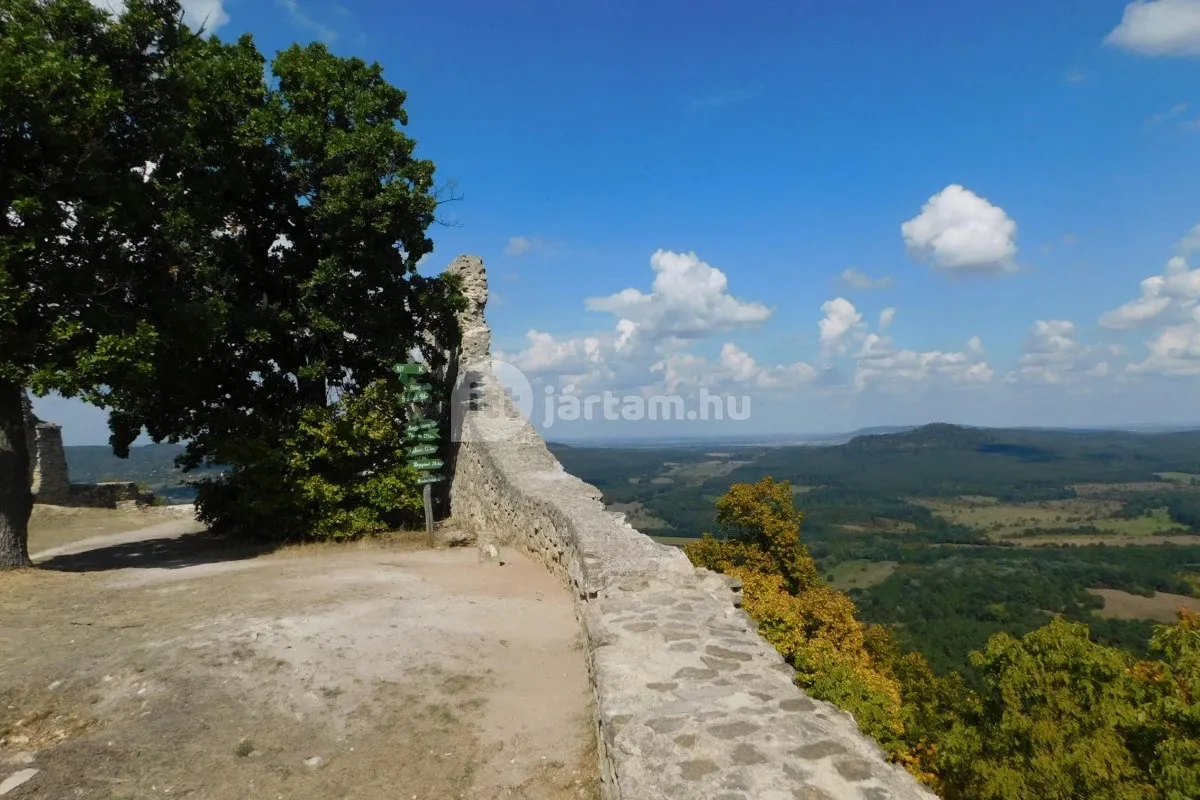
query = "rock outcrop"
x=691 y=703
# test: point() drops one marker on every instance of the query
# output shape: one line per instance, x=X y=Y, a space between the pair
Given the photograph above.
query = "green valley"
x=950 y=534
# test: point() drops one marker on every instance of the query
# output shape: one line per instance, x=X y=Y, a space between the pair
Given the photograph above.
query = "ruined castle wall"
x=691 y=703
x=50 y=481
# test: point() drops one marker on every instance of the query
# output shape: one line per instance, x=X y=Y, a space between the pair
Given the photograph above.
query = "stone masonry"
x=47 y=461
x=691 y=703
x=48 y=476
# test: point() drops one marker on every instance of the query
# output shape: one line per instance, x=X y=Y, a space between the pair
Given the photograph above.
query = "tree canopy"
x=214 y=255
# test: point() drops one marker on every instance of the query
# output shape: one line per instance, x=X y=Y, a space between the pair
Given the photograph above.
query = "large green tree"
x=316 y=271
x=114 y=151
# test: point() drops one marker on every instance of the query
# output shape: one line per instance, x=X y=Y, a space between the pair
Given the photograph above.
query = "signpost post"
x=419 y=434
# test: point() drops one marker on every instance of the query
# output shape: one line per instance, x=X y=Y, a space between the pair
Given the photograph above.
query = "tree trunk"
x=16 y=501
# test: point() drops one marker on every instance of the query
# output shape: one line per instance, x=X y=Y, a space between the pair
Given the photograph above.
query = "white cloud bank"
x=1170 y=305
x=687 y=300
x=651 y=347
x=960 y=232
x=881 y=362
x=1159 y=28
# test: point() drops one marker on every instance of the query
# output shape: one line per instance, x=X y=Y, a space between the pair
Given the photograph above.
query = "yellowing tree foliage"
x=811 y=624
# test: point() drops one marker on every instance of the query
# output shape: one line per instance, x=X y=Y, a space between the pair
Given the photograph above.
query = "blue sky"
x=1003 y=176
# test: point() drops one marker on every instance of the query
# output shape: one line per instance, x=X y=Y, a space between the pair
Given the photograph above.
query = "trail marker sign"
x=418 y=432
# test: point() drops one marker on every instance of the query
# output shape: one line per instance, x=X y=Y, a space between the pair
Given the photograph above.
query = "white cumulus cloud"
x=687 y=300
x=651 y=334
x=1165 y=299
x=1159 y=28
x=881 y=362
x=547 y=354
x=1174 y=352
x=958 y=231
x=1169 y=304
x=734 y=369
x=886 y=317
x=1054 y=354
x=841 y=326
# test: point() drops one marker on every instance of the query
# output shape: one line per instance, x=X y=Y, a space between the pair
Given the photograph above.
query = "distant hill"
x=942 y=459
x=151 y=465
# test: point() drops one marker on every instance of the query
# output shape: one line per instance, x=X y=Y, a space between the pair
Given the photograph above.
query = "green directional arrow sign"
x=421 y=450
x=422 y=436
x=426 y=463
x=416 y=396
x=417 y=387
x=425 y=479
x=420 y=424
x=411 y=368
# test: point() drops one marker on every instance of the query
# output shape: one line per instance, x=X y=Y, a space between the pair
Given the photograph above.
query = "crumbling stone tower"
x=47 y=461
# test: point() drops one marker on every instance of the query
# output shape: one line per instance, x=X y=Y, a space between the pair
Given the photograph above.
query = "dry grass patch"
x=1013 y=520
x=1161 y=606
x=55 y=526
x=1185 y=478
x=860 y=574
x=1120 y=489
x=639 y=516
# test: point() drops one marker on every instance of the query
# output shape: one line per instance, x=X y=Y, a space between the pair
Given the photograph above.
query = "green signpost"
x=418 y=433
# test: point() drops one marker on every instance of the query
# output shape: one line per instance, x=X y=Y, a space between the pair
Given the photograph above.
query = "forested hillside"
x=952 y=534
x=152 y=465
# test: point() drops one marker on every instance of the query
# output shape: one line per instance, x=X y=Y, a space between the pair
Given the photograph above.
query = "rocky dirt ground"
x=163 y=662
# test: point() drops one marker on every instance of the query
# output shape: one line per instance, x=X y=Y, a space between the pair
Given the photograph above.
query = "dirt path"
x=360 y=672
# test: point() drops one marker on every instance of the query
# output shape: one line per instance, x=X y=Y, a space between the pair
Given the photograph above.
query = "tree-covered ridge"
x=1055 y=715
x=948 y=460
x=876 y=506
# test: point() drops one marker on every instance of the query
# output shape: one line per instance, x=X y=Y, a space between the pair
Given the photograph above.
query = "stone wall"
x=47 y=461
x=691 y=703
x=111 y=494
x=49 y=478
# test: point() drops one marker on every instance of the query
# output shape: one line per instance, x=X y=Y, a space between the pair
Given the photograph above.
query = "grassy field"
x=1013 y=520
x=881 y=525
x=700 y=471
x=860 y=574
x=1178 y=477
x=1160 y=607
x=639 y=517
x=1123 y=489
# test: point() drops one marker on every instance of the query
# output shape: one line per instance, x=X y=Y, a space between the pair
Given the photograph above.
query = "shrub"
x=335 y=472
